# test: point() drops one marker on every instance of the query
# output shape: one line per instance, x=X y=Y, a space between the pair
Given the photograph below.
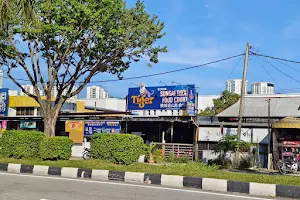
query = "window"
x=154 y=112
x=23 y=111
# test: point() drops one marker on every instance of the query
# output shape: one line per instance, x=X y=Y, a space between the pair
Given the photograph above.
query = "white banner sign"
x=214 y=134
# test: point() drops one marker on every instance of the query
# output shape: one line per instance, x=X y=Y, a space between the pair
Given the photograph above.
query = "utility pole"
x=243 y=92
x=269 y=133
x=269 y=125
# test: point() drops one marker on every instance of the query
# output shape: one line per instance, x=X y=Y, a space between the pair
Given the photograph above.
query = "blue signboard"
x=27 y=124
x=160 y=98
x=191 y=108
x=4 y=101
x=91 y=127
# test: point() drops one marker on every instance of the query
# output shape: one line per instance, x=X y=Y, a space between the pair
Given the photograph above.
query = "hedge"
x=117 y=148
x=56 y=148
x=21 y=143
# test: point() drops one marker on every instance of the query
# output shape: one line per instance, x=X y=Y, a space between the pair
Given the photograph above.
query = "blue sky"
x=199 y=31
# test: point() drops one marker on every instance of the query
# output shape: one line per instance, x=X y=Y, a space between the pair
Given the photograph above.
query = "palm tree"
x=22 y=9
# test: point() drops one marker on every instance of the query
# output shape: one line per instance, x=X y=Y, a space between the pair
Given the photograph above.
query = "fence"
x=177 y=149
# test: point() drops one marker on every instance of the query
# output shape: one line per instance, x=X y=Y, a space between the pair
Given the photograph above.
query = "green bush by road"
x=56 y=148
x=117 y=148
x=34 y=144
x=21 y=143
x=183 y=169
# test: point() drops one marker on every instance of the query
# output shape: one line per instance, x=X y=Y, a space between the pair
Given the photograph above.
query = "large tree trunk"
x=50 y=125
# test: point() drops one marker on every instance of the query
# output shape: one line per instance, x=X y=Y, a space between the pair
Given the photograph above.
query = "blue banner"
x=4 y=101
x=91 y=127
x=160 y=98
x=191 y=108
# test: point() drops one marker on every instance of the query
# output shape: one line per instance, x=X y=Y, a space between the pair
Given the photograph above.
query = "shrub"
x=56 y=148
x=173 y=158
x=21 y=143
x=117 y=148
x=158 y=156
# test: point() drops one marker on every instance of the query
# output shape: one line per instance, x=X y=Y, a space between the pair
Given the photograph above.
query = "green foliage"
x=178 y=159
x=231 y=143
x=74 y=40
x=21 y=143
x=221 y=162
x=226 y=100
x=158 y=156
x=117 y=148
x=246 y=163
x=56 y=148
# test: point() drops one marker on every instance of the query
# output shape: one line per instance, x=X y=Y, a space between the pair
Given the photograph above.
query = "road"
x=27 y=187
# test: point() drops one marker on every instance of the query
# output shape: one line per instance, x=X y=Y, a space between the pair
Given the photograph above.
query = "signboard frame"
x=92 y=127
x=174 y=97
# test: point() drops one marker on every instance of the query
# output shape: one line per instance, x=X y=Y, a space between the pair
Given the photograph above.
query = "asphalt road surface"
x=23 y=187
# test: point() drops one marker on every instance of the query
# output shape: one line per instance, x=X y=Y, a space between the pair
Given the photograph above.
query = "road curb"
x=210 y=184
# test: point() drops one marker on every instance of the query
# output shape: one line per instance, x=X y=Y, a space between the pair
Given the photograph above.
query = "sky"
x=201 y=31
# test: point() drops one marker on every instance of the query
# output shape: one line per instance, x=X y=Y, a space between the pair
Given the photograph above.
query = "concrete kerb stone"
x=100 y=174
x=14 y=168
x=260 y=189
x=134 y=177
x=40 y=170
x=173 y=181
x=69 y=172
x=212 y=184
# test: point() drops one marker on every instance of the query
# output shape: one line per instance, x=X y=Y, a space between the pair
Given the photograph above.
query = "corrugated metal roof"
x=258 y=107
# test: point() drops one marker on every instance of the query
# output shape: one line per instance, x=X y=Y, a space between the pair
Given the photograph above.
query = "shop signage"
x=27 y=124
x=292 y=143
x=73 y=125
x=4 y=101
x=91 y=127
x=162 y=98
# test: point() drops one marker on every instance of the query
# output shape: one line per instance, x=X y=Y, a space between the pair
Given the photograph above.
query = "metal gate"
x=179 y=150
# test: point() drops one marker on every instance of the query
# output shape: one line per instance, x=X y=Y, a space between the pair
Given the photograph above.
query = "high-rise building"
x=54 y=92
x=262 y=88
x=96 y=92
x=29 y=88
x=235 y=86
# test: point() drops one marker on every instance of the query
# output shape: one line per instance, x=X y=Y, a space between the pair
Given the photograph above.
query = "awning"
x=288 y=122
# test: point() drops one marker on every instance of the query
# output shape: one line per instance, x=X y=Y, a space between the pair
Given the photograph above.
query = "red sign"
x=290 y=143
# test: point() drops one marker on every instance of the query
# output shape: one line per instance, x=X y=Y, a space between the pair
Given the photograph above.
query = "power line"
x=279 y=69
x=273 y=79
x=275 y=58
x=156 y=74
x=278 y=60
x=229 y=76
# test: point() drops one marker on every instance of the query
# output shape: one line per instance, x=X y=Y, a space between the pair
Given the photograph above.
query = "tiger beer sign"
x=161 y=98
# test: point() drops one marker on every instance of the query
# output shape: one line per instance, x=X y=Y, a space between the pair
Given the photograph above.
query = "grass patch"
x=183 y=169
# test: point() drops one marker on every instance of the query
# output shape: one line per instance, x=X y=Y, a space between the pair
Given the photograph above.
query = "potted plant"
x=150 y=151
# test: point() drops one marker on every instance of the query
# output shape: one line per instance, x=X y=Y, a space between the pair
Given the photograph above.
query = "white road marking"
x=134 y=185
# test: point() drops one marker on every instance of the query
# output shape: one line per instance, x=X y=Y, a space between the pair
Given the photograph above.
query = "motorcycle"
x=86 y=155
x=289 y=164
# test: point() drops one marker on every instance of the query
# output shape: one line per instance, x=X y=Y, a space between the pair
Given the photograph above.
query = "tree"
x=74 y=41
x=226 y=100
x=22 y=9
x=231 y=143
